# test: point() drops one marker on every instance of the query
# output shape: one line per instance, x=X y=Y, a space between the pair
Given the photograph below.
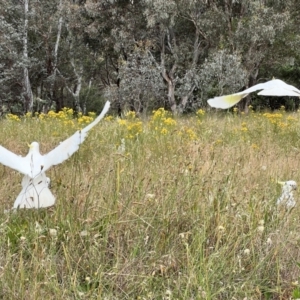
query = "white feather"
x=274 y=87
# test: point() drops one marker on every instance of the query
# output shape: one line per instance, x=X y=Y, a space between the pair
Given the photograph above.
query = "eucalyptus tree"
x=172 y=39
x=117 y=35
x=12 y=59
x=27 y=91
x=27 y=43
x=141 y=86
x=253 y=27
x=286 y=57
x=57 y=49
x=181 y=40
x=192 y=49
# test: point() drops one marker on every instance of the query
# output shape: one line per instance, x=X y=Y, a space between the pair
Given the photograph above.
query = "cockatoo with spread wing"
x=35 y=185
x=287 y=197
x=274 y=87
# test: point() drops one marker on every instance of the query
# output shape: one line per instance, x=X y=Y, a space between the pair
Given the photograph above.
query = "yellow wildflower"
x=51 y=114
x=92 y=114
x=130 y=115
x=169 y=122
x=13 y=117
x=200 y=112
x=164 y=131
x=122 y=122
x=108 y=118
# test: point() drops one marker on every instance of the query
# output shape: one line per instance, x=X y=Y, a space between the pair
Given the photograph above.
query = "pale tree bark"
x=169 y=77
x=27 y=92
x=185 y=99
x=179 y=69
x=196 y=53
x=75 y=93
x=55 y=54
x=84 y=103
x=244 y=104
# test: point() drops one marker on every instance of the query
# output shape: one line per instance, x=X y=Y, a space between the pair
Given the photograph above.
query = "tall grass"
x=183 y=209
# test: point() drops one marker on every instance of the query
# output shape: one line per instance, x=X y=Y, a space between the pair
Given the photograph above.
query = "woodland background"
x=143 y=54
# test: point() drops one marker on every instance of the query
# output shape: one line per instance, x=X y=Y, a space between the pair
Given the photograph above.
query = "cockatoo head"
x=34 y=147
x=288 y=186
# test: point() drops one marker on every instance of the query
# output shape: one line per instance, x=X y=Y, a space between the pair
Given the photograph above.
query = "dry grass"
x=186 y=211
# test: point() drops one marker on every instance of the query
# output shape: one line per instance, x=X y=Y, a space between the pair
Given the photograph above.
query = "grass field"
x=161 y=208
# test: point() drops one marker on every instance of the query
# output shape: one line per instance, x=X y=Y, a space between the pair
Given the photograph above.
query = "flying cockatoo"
x=35 y=185
x=274 y=87
x=287 y=197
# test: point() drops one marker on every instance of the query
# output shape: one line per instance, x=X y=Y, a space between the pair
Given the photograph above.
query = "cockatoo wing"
x=71 y=145
x=97 y=120
x=274 y=87
x=226 y=101
x=13 y=161
x=279 y=92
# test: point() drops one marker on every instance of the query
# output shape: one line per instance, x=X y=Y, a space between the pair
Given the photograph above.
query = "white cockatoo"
x=287 y=198
x=274 y=87
x=35 y=185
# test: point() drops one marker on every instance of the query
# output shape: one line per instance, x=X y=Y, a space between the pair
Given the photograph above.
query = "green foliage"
x=92 y=98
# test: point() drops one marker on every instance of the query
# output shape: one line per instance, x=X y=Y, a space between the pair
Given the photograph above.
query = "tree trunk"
x=55 y=54
x=244 y=104
x=171 y=96
x=28 y=96
x=196 y=53
x=169 y=77
x=184 y=100
x=77 y=89
x=84 y=103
